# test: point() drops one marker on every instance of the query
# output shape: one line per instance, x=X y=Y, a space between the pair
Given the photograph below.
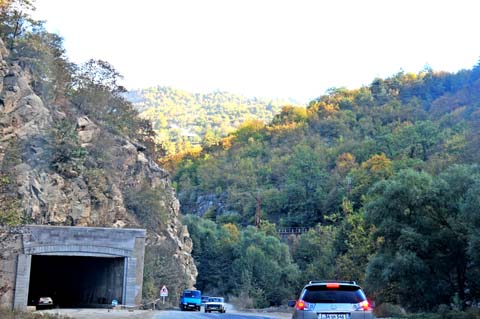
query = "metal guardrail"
x=292 y=230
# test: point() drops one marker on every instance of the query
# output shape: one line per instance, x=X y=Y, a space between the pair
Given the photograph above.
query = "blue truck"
x=191 y=300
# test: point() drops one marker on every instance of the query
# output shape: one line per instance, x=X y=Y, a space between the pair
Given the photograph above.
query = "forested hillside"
x=182 y=119
x=386 y=176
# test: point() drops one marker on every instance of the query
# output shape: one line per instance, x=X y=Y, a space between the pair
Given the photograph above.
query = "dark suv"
x=332 y=300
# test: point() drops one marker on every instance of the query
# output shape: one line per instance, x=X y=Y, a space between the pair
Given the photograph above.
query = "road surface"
x=163 y=314
x=172 y=314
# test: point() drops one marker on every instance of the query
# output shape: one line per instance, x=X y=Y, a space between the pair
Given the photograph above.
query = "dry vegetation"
x=15 y=314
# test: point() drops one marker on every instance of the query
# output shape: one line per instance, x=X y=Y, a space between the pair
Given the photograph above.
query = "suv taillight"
x=364 y=305
x=301 y=305
x=333 y=285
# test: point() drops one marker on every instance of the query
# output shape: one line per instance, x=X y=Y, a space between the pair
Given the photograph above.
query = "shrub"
x=389 y=310
x=242 y=302
x=16 y=314
x=66 y=154
x=148 y=204
x=444 y=312
x=11 y=211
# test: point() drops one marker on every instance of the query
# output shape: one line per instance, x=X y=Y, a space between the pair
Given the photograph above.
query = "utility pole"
x=349 y=187
x=258 y=212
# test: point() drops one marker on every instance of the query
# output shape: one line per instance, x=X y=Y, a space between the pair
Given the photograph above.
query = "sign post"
x=114 y=304
x=163 y=293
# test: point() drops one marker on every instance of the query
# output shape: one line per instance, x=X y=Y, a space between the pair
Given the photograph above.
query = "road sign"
x=164 y=292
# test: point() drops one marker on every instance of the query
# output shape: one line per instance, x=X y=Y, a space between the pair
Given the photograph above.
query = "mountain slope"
x=386 y=178
x=180 y=117
x=302 y=164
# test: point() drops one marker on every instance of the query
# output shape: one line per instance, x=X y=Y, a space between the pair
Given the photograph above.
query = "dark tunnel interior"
x=76 y=281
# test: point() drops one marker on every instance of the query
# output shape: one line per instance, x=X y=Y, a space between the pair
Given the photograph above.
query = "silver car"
x=215 y=304
x=332 y=300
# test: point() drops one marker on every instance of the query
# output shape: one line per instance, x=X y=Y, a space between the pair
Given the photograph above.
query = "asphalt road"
x=172 y=314
x=163 y=314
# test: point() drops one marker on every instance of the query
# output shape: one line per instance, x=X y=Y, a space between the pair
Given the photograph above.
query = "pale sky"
x=266 y=48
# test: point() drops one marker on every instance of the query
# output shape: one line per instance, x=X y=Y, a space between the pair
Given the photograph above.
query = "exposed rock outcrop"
x=93 y=194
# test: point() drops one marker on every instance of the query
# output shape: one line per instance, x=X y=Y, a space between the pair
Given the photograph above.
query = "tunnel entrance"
x=79 y=266
x=76 y=281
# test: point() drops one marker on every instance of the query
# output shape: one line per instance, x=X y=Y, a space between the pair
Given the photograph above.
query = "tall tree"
x=15 y=20
x=424 y=238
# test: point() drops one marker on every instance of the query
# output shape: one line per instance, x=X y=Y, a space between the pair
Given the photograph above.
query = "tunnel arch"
x=78 y=250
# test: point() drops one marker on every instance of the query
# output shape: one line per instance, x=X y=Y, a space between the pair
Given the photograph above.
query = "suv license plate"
x=333 y=316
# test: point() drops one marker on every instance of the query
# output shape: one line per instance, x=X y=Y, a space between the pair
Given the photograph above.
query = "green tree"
x=314 y=253
x=470 y=213
x=213 y=253
x=290 y=114
x=354 y=245
x=15 y=20
x=254 y=261
x=262 y=260
x=304 y=180
x=424 y=240
x=11 y=211
x=378 y=167
x=97 y=94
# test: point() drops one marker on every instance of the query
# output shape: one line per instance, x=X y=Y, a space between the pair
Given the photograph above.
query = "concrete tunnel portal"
x=76 y=281
x=80 y=267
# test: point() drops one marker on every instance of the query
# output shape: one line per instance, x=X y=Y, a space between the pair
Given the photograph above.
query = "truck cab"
x=191 y=300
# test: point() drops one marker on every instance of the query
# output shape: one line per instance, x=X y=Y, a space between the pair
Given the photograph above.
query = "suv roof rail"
x=351 y=282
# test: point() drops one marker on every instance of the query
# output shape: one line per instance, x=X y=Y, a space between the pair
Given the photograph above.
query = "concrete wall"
x=83 y=241
x=10 y=248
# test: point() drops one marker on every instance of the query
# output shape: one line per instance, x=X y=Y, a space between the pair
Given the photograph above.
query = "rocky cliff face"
x=92 y=194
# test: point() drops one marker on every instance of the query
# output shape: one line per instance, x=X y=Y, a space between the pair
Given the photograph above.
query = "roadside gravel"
x=275 y=313
x=100 y=313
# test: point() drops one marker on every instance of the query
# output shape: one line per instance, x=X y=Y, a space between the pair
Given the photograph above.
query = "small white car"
x=215 y=304
x=45 y=303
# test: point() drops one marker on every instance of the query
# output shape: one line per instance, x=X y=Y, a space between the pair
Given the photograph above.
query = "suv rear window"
x=343 y=294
